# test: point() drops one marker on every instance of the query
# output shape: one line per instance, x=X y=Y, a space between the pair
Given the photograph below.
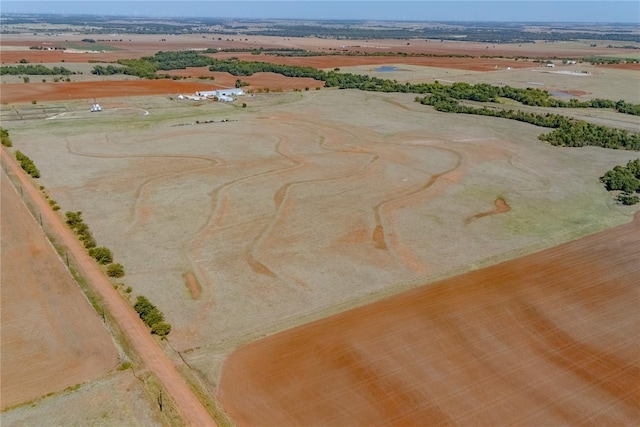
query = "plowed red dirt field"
x=51 y=337
x=546 y=339
x=21 y=93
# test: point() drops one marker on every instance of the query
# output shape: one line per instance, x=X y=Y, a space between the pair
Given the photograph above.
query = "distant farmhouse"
x=226 y=95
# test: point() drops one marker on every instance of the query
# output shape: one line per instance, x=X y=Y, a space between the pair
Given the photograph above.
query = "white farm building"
x=222 y=94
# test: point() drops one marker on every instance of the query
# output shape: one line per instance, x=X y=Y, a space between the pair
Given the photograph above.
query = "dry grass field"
x=239 y=223
x=115 y=400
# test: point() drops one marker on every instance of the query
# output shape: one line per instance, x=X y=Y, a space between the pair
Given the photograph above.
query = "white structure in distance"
x=226 y=95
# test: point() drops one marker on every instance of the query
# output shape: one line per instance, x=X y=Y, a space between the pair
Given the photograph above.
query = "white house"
x=229 y=93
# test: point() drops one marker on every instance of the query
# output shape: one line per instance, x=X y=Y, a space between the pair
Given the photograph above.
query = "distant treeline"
x=147 y=67
x=568 y=132
x=37 y=70
x=285 y=52
x=479 y=92
x=468 y=32
x=487 y=32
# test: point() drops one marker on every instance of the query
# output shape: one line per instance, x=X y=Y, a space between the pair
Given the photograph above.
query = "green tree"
x=101 y=254
x=621 y=178
x=152 y=316
x=628 y=198
x=4 y=138
x=142 y=305
x=73 y=219
x=115 y=270
x=161 y=329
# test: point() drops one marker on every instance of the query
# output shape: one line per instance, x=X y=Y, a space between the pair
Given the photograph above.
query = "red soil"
x=21 y=92
x=192 y=285
x=546 y=339
x=630 y=66
x=501 y=207
x=152 y=356
x=333 y=61
x=51 y=337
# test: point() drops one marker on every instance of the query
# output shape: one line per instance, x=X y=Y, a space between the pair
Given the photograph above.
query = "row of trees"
x=37 y=70
x=27 y=164
x=568 y=132
x=4 y=138
x=148 y=66
x=100 y=253
x=626 y=180
x=481 y=92
x=151 y=316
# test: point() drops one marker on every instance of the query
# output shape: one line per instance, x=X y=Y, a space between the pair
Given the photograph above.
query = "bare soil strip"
x=546 y=339
x=192 y=285
x=501 y=207
x=189 y=407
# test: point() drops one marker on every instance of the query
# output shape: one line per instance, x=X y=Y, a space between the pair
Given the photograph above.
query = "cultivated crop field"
x=242 y=221
x=514 y=343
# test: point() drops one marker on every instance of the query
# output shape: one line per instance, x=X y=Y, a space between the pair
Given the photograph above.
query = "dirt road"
x=192 y=411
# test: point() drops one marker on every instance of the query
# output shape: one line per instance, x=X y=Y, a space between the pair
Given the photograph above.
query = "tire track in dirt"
x=501 y=206
x=250 y=256
x=473 y=156
x=279 y=196
x=255 y=265
x=378 y=235
x=139 y=193
x=219 y=210
x=142 y=342
x=282 y=195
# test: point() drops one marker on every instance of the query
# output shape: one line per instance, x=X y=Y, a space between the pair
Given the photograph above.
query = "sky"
x=600 y=11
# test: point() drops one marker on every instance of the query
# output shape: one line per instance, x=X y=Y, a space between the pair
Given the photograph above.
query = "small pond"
x=386 y=69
